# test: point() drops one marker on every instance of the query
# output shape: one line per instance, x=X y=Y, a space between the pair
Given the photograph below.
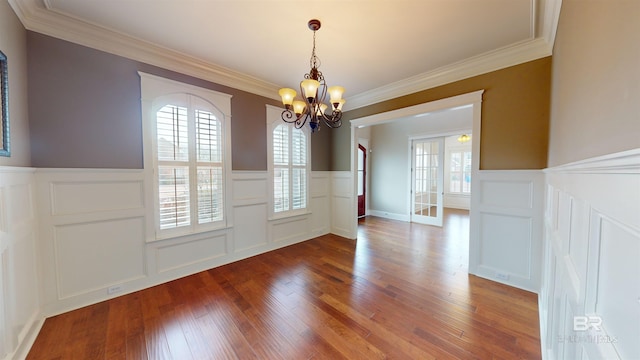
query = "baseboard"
x=391 y=216
x=542 y=318
x=23 y=348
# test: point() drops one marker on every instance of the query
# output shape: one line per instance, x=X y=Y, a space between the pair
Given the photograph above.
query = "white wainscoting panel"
x=507 y=245
x=504 y=193
x=590 y=296
x=95 y=255
x=69 y=198
x=250 y=187
x=615 y=294
x=175 y=255
x=250 y=228
x=290 y=229
x=342 y=204
x=20 y=316
x=506 y=227
x=91 y=235
x=320 y=202
x=94 y=223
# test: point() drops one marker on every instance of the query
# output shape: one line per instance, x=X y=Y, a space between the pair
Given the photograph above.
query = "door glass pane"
x=360 y=172
x=426 y=178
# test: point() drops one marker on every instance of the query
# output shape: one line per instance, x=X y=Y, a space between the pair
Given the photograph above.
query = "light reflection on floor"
x=438 y=254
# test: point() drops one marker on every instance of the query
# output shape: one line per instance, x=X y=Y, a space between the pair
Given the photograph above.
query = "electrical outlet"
x=502 y=276
x=114 y=289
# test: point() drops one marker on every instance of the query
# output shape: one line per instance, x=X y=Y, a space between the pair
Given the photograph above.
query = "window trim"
x=154 y=90
x=273 y=120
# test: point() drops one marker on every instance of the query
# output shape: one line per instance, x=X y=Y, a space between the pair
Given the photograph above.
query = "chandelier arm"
x=300 y=124
x=334 y=121
x=290 y=117
x=322 y=89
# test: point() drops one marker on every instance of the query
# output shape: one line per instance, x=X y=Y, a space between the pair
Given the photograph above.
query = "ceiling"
x=376 y=49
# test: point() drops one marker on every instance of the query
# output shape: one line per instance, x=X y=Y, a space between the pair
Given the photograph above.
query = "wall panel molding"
x=505 y=229
x=342 y=204
x=320 y=202
x=592 y=246
x=92 y=233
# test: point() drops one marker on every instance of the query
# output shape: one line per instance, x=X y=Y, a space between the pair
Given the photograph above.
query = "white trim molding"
x=39 y=17
x=20 y=314
x=56 y=24
x=495 y=60
x=625 y=162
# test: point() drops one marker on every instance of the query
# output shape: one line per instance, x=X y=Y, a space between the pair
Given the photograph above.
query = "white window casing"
x=187 y=157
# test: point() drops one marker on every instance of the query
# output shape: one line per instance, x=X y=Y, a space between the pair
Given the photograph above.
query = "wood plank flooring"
x=400 y=291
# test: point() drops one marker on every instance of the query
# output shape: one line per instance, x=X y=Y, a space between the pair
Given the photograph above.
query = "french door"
x=427 y=181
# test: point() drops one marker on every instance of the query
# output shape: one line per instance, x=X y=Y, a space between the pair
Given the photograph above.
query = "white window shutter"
x=289 y=150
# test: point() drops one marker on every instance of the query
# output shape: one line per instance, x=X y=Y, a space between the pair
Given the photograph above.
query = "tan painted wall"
x=595 y=106
x=515 y=116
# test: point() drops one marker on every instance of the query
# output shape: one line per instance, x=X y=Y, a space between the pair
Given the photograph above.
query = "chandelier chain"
x=315 y=61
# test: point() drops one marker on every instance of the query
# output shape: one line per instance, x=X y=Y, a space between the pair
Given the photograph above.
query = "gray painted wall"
x=84 y=107
x=595 y=104
x=84 y=111
x=13 y=43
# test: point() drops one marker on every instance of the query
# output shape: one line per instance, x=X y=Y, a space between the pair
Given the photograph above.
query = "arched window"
x=189 y=157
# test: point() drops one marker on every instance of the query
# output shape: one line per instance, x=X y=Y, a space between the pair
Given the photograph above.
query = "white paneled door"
x=427 y=179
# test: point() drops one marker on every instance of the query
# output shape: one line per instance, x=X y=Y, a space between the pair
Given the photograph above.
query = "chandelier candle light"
x=314 y=90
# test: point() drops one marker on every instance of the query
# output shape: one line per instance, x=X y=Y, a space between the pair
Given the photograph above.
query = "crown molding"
x=55 y=24
x=495 y=60
x=36 y=18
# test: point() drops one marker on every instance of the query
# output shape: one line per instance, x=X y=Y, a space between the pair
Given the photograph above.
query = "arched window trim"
x=156 y=92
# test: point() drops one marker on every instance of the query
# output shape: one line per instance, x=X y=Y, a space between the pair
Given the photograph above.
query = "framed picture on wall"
x=4 y=106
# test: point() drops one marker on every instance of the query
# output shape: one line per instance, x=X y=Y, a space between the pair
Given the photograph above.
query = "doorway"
x=473 y=99
x=362 y=180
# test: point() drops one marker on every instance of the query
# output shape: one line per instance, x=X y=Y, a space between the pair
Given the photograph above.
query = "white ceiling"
x=374 y=48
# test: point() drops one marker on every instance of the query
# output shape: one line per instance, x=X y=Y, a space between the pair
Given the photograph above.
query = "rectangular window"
x=289 y=153
x=460 y=172
x=190 y=167
x=209 y=167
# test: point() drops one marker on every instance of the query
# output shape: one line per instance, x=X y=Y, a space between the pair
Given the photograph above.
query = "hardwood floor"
x=400 y=291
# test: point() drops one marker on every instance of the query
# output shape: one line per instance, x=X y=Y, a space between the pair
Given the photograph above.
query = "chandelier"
x=314 y=91
x=464 y=138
